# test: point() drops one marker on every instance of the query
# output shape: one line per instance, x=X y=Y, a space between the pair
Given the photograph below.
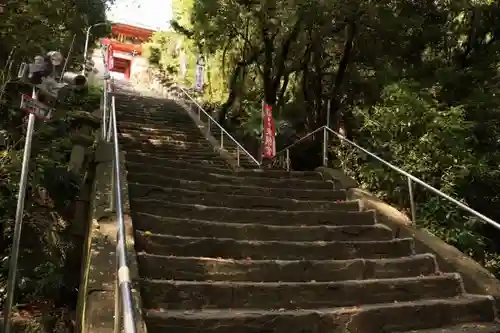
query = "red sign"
x=111 y=61
x=268 y=135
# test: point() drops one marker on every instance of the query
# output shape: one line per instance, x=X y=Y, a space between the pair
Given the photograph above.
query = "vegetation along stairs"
x=253 y=251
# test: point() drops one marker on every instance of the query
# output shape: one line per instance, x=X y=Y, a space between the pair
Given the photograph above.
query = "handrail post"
x=208 y=126
x=104 y=110
x=238 y=156
x=221 y=139
x=412 y=201
x=325 y=147
x=287 y=162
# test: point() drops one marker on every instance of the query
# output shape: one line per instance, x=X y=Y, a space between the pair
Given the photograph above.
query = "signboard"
x=268 y=133
x=40 y=110
x=123 y=55
x=200 y=73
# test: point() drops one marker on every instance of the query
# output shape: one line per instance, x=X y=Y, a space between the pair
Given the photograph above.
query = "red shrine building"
x=125 y=46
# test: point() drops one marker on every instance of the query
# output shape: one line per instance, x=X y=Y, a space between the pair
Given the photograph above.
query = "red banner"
x=268 y=135
x=110 y=58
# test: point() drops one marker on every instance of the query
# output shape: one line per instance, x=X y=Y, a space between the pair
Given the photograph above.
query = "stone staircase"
x=269 y=251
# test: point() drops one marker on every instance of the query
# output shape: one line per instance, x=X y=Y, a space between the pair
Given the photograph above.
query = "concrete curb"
x=97 y=291
x=477 y=279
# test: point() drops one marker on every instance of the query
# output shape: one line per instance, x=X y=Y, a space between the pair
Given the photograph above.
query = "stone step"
x=463 y=328
x=191 y=295
x=242 y=215
x=163 y=166
x=309 y=175
x=186 y=174
x=182 y=136
x=258 y=231
x=157 y=119
x=217 y=161
x=155 y=266
x=166 y=150
x=156 y=128
x=184 y=196
x=145 y=170
x=147 y=158
x=376 y=318
x=140 y=157
x=126 y=129
x=217 y=189
x=171 y=144
x=263 y=250
x=156 y=133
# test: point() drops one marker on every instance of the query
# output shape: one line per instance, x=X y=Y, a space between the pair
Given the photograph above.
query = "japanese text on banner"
x=268 y=135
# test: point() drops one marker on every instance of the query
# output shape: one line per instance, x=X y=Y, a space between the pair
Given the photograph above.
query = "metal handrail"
x=124 y=308
x=411 y=179
x=301 y=139
x=223 y=131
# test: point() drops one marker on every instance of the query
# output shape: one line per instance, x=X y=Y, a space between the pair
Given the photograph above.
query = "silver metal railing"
x=124 y=318
x=410 y=178
x=223 y=132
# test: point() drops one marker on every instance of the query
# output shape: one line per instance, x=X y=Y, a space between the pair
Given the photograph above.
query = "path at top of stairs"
x=258 y=251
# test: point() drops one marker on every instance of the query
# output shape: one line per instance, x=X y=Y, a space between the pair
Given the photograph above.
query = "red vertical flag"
x=110 y=57
x=268 y=135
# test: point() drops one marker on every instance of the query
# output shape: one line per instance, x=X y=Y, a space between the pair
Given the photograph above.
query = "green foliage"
x=51 y=194
x=415 y=82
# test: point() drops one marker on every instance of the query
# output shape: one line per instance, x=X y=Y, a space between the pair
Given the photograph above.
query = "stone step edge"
x=285 y=262
x=247 y=177
x=262 y=225
x=485 y=327
x=253 y=313
x=167 y=190
x=201 y=208
x=253 y=187
x=146 y=234
x=180 y=283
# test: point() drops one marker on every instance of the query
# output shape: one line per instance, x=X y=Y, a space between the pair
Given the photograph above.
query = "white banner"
x=200 y=69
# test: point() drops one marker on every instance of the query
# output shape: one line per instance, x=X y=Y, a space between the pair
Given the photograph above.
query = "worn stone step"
x=184 y=196
x=166 y=150
x=156 y=133
x=165 y=137
x=168 y=145
x=242 y=215
x=376 y=318
x=140 y=157
x=147 y=159
x=492 y=327
x=260 y=250
x=158 y=163
x=309 y=175
x=159 y=129
x=258 y=231
x=190 y=295
x=147 y=189
x=155 y=266
x=145 y=170
x=182 y=136
x=149 y=119
x=216 y=161
x=229 y=179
